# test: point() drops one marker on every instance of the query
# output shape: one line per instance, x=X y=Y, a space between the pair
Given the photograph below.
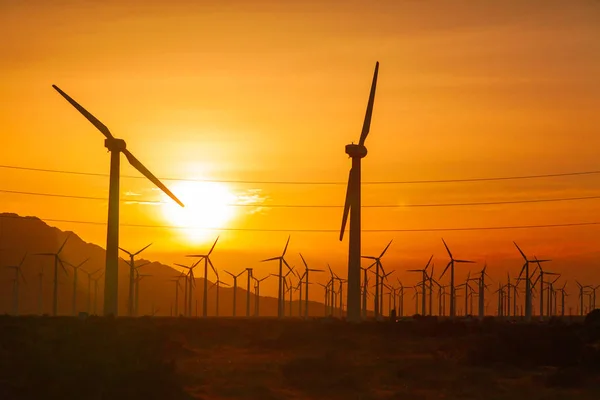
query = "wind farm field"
x=227 y=358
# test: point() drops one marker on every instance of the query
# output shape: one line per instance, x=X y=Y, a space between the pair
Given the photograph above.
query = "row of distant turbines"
x=357 y=286
x=540 y=282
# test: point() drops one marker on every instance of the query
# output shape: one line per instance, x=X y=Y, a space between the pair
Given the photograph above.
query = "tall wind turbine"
x=423 y=283
x=18 y=277
x=542 y=282
x=280 y=294
x=116 y=147
x=378 y=266
x=257 y=294
x=306 y=283
x=57 y=260
x=249 y=271
x=89 y=290
x=131 y=264
x=207 y=261
x=452 y=288
x=177 y=287
x=234 y=276
x=352 y=206
x=75 y=271
x=482 y=286
x=528 y=287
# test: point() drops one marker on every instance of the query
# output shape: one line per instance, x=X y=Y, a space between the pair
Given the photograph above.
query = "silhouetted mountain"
x=157 y=292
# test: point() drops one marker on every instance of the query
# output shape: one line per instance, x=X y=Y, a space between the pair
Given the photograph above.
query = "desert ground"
x=226 y=358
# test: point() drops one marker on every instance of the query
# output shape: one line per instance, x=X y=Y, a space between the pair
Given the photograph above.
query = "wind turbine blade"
x=445 y=269
x=213 y=267
x=286 y=245
x=369 y=257
x=135 y=254
x=95 y=121
x=522 y=270
x=122 y=249
x=144 y=171
x=386 y=247
x=346 y=205
x=22 y=260
x=430 y=258
x=213 y=247
x=271 y=259
x=22 y=276
x=520 y=251
x=227 y=272
x=63 y=245
x=465 y=261
x=305 y=265
x=447 y=249
x=286 y=264
x=182 y=266
x=369 y=113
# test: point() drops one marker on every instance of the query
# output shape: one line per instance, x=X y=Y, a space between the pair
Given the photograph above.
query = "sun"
x=208 y=205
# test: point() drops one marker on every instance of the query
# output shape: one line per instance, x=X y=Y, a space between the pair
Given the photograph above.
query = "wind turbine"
x=423 y=282
x=326 y=302
x=400 y=299
x=138 y=278
x=452 y=288
x=89 y=290
x=365 y=288
x=217 y=284
x=41 y=290
x=528 y=286
x=234 y=276
x=306 y=271
x=57 y=260
x=177 y=286
x=131 y=264
x=378 y=266
x=280 y=295
x=18 y=277
x=249 y=271
x=482 y=287
x=190 y=284
x=352 y=206
x=75 y=271
x=96 y=279
x=116 y=147
x=207 y=261
x=257 y=294
x=541 y=279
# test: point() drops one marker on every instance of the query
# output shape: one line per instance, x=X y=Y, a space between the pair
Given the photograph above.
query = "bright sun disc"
x=207 y=205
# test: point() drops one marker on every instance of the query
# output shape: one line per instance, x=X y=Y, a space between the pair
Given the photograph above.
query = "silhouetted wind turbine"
x=528 y=286
x=257 y=294
x=352 y=207
x=482 y=287
x=217 y=284
x=280 y=295
x=131 y=264
x=96 y=279
x=452 y=288
x=234 y=276
x=18 y=277
x=249 y=271
x=541 y=278
x=89 y=290
x=207 y=261
x=306 y=282
x=378 y=266
x=57 y=260
x=116 y=147
x=177 y=286
x=423 y=282
x=75 y=271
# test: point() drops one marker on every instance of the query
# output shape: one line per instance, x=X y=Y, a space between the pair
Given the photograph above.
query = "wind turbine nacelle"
x=115 y=144
x=356 y=150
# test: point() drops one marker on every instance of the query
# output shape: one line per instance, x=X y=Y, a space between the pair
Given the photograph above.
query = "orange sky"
x=226 y=90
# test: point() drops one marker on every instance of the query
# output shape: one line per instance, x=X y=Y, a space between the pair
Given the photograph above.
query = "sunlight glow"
x=207 y=205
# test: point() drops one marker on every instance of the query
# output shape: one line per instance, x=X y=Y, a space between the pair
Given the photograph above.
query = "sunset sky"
x=273 y=91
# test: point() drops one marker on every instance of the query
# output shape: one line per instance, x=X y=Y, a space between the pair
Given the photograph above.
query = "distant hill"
x=30 y=234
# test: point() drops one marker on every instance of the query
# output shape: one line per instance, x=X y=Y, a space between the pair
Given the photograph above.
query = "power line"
x=482 y=228
x=485 y=179
x=484 y=203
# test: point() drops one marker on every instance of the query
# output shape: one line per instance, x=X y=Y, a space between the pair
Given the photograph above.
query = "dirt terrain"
x=176 y=358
